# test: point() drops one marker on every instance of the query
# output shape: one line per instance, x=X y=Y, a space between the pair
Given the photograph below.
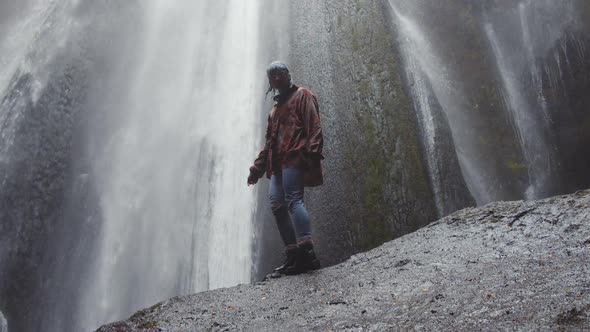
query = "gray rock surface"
x=376 y=183
x=519 y=265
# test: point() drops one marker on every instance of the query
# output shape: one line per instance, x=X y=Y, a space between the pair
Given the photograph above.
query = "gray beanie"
x=276 y=66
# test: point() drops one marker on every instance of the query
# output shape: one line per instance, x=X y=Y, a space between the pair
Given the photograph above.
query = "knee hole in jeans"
x=294 y=203
x=277 y=207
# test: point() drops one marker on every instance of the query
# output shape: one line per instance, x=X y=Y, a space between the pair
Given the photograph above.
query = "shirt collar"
x=282 y=97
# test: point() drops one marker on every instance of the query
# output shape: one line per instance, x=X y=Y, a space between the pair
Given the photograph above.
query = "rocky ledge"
x=520 y=265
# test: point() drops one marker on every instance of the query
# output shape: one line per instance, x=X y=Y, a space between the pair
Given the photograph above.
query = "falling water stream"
x=27 y=47
x=177 y=218
x=169 y=137
x=519 y=34
x=432 y=79
x=525 y=95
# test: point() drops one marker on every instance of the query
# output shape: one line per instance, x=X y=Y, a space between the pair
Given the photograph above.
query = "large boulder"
x=504 y=266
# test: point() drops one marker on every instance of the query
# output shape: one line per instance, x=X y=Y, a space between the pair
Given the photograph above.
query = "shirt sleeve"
x=313 y=131
x=261 y=161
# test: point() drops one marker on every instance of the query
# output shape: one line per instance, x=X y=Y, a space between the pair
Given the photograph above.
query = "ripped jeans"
x=286 y=200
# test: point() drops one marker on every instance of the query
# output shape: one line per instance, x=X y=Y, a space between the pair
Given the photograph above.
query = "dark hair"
x=269 y=90
x=275 y=66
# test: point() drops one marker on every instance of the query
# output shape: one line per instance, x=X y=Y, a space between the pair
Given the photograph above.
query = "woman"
x=291 y=158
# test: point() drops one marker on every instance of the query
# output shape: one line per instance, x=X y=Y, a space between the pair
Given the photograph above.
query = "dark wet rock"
x=573 y=317
x=504 y=266
x=402 y=263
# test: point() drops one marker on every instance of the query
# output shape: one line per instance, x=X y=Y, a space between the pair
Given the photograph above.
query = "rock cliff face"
x=35 y=178
x=344 y=52
x=383 y=179
x=47 y=202
x=507 y=265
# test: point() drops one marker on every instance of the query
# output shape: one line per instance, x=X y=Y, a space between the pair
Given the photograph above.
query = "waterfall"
x=37 y=106
x=524 y=95
x=176 y=211
x=431 y=82
x=164 y=131
x=532 y=28
x=526 y=122
x=519 y=35
x=422 y=103
x=27 y=47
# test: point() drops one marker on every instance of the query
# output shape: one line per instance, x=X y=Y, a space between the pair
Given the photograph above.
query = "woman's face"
x=279 y=80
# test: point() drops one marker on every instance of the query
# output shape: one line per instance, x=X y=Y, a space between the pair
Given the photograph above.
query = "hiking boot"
x=306 y=260
x=311 y=261
x=290 y=258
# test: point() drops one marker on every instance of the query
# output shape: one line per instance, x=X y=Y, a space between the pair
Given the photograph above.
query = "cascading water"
x=422 y=103
x=526 y=122
x=27 y=47
x=169 y=124
x=37 y=105
x=519 y=35
x=430 y=79
x=529 y=29
x=177 y=218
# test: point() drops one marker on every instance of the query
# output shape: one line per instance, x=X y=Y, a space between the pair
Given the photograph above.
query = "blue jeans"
x=286 y=200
